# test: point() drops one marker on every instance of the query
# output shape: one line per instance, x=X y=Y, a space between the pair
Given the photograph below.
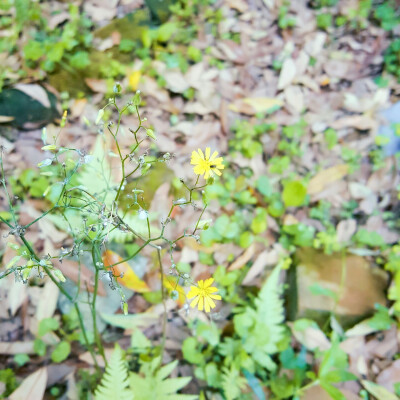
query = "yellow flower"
x=203 y=295
x=204 y=164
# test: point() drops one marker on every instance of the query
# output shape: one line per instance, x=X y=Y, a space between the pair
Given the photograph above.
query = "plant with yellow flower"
x=204 y=164
x=203 y=295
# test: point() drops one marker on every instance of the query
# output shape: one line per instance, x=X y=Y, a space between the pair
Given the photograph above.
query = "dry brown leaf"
x=288 y=73
x=345 y=230
x=363 y=287
x=16 y=347
x=252 y=106
x=32 y=387
x=326 y=177
x=36 y=92
x=261 y=262
x=5 y=119
x=176 y=82
x=243 y=258
x=72 y=270
x=97 y=85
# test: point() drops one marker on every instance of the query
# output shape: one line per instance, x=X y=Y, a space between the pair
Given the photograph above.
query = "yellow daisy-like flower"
x=204 y=164
x=203 y=295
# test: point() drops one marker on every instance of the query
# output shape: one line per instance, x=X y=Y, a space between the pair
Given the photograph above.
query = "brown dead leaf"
x=243 y=258
x=176 y=82
x=326 y=177
x=262 y=261
x=6 y=118
x=17 y=347
x=252 y=106
x=36 y=92
x=361 y=122
x=363 y=287
x=288 y=73
x=97 y=85
x=32 y=387
x=389 y=376
x=345 y=230
x=79 y=272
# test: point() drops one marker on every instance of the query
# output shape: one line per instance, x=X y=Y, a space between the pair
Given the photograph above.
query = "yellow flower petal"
x=208 y=282
x=194 y=302
x=214 y=155
x=215 y=296
x=201 y=303
x=208 y=151
x=194 y=291
x=207 y=304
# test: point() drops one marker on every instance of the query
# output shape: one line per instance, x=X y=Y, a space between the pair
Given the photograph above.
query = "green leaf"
x=33 y=50
x=335 y=393
x=317 y=289
x=232 y=383
x=61 y=352
x=294 y=194
x=152 y=383
x=165 y=31
x=339 y=375
x=21 y=359
x=114 y=384
x=56 y=52
x=80 y=60
x=39 y=347
x=47 y=325
x=131 y=321
x=381 y=320
x=378 y=391
x=190 y=351
x=262 y=328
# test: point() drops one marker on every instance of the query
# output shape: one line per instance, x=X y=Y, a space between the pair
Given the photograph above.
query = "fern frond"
x=261 y=329
x=115 y=385
x=232 y=383
x=153 y=384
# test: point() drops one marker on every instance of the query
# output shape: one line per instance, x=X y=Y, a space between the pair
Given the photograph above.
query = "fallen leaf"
x=252 y=106
x=170 y=284
x=6 y=118
x=36 y=92
x=16 y=348
x=129 y=279
x=243 y=258
x=326 y=177
x=97 y=85
x=288 y=73
x=378 y=391
x=32 y=387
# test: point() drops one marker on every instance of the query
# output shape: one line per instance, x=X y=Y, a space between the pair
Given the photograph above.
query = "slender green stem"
x=164 y=323
x=67 y=295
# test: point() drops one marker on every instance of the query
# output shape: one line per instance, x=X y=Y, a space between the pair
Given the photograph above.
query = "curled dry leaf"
x=129 y=278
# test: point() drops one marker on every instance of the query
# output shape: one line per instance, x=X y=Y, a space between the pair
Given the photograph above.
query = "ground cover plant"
x=199 y=200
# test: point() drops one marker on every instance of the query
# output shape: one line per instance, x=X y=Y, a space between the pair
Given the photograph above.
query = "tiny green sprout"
x=45 y=163
x=137 y=99
x=117 y=88
x=50 y=147
x=150 y=133
x=125 y=308
x=99 y=116
x=204 y=224
x=59 y=275
x=174 y=295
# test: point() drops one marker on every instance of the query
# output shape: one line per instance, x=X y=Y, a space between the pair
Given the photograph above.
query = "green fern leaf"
x=261 y=329
x=232 y=383
x=115 y=385
x=153 y=384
